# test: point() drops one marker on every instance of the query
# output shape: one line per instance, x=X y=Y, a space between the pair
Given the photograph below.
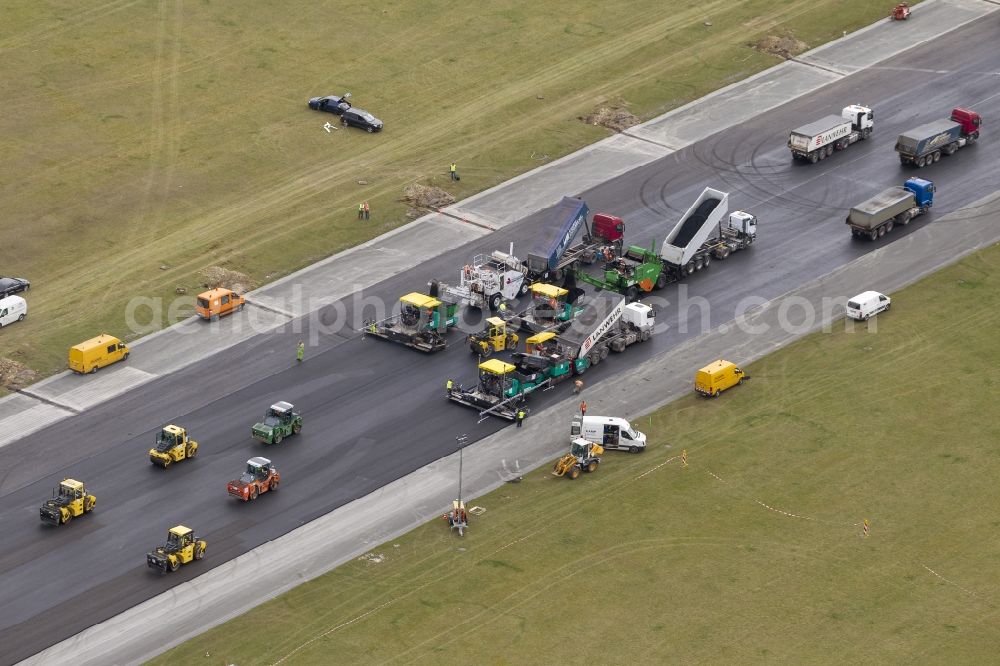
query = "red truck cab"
x=608 y=227
x=969 y=120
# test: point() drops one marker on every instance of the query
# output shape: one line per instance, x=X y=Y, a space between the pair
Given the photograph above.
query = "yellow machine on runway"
x=71 y=500
x=182 y=546
x=172 y=445
x=582 y=457
x=493 y=338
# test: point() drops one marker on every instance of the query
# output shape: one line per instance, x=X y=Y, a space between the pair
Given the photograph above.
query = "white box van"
x=610 y=432
x=12 y=308
x=867 y=304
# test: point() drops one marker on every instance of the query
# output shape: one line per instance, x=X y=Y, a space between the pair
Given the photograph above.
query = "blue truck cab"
x=923 y=192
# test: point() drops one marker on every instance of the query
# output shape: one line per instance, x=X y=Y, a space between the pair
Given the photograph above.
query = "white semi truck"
x=818 y=139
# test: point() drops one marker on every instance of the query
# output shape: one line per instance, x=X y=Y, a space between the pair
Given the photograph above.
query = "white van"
x=12 y=308
x=866 y=305
x=610 y=432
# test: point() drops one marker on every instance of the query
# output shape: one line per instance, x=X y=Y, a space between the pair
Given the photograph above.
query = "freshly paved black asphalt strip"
x=376 y=411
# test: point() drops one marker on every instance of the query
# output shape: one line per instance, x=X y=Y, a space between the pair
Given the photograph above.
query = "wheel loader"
x=582 y=457
x=182 y=546
x=69 y=501
x=494 y=337
x=172 y=445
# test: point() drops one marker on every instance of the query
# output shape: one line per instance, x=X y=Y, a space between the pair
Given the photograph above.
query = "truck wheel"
x=921 y=162
x=717 y=393
x=661 y=281
x=706 y=261
x=199 y=552
x=277 y=438
x=574 y=473
x=524 y=288
x=936 y=155
x=192 y=451
x=93 y=370
x=644 y=335
x=167 y=461
x=591 y=466
x=865 y=133
x=888 y=226
x=88 y=504
x=604 y=352
x=297 y=428
x=950 y=149
x=69 y=517
x=972 y=138
x=511 y=343
x=253 y=494
x=633 y=449
x=174 y=565
x=494 y=302
x=273 y=485
x=904 y=218
x=873 y=234
x=829 y=150
x=881 y=232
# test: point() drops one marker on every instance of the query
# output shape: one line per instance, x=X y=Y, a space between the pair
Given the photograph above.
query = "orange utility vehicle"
x=218 y=302
x=260 y=477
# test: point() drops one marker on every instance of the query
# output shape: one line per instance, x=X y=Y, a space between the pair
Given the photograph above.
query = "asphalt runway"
x=375 y=411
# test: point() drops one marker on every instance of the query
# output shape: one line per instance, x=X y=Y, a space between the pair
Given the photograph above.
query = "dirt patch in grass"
x=427 y=196
x=783 y=46
x=217 y=276
x=14 y=376
x=613 y=114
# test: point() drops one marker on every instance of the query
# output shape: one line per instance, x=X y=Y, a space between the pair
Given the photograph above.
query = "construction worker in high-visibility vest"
x=449 y=385
x=361 y=210
x=454 y=171
x=300 y=352
x=520 y=417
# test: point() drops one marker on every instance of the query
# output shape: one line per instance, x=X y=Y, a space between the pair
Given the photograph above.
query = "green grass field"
x=146 y=141
x=753 y=553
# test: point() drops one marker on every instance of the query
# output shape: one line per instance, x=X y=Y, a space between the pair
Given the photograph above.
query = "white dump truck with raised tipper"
x=703 y=232
x=818 y=139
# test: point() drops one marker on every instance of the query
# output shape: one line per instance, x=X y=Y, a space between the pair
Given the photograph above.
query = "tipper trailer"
x=818 y=139
x=552 y=256
x=703 y=232
x=895 y=206
x=925 y=144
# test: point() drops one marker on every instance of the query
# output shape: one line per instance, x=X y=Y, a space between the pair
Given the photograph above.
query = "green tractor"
x=280 y=421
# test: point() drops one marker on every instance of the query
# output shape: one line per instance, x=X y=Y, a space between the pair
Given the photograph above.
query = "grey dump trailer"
x=894 y=206
x=925 y=144
x=553 y=256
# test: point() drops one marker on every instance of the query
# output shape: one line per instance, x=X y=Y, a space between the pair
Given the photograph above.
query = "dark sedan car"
x=9 y=285
x=360 y=118
x=330 y=103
